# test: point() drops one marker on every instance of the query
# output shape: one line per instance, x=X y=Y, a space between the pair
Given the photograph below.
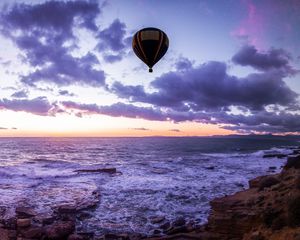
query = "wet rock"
x=99 y=170
x=112 y=236
x=179 y=229
x=76 y=237
x=297 y=151
x=165 y=226
x=84 y=215
x=157 y=219
x=66 y=208
x=12 y=234
x=34 y=232
x=25 y=212
x=255 y=183
x=273 y=155
x=2 y=211
x=256 y=236
x=136 y=236
x=239 y=185
x=293 y=161
x=179 y=222
x=161 y=170
x=4 y=234
x=155 y=232
x=23 y=222
x=268 y=182
x=60 y=230
x=88 y=204
x=10 y=223
x=45 y=219
x=85 y=234
x=210 y=167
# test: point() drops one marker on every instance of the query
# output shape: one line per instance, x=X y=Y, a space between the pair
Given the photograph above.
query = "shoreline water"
x=62 y=211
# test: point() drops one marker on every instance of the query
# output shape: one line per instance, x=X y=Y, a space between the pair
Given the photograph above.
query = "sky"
x=67 y=68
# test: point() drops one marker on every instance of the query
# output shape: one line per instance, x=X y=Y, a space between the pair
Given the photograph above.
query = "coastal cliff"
x=268 y=210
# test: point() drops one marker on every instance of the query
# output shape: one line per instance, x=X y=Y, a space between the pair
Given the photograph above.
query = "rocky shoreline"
x=269 y=209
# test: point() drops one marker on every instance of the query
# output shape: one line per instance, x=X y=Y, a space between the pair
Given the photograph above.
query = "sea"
x=169 y=177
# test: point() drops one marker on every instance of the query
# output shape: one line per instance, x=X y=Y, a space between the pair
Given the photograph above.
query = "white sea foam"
x=158 y=177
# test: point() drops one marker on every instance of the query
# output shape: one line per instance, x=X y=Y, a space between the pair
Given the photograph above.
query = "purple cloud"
x=113 y=41
x=113 y=37
x=66 y=93
x=46 y=39
x=272 y=59
x=20 y=94
x=141 y=129
x=174 y=130
x=111 y=58
x=40 y=17
x=116 y=110
x=38 y=106
x=207 y=93
x=209 y=87
x=183 y=64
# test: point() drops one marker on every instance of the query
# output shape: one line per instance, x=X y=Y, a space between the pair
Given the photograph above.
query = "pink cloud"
x=252 y=27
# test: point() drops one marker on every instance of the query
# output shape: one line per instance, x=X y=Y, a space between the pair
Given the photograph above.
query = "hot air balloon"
x=150 y=45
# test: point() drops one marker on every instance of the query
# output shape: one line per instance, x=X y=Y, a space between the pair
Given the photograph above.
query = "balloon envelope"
x=150 y=45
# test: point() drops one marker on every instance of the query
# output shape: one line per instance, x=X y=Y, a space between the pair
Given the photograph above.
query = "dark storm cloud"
x=209 y=87
x=272 y=59
x=20 y=94
x=46 y=40
x=38 y=106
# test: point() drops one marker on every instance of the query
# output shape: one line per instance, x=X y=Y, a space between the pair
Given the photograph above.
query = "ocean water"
x=170 y=177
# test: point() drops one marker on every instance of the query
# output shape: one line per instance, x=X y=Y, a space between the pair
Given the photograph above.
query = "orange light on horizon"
x=64 y=125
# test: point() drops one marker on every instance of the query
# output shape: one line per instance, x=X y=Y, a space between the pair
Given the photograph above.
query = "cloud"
x=66 y=93
x=40 y=17
x=47 y=39
x=20 y=94
x=208 y=87
x=116 y=110
x=183 y=64
x=141 y=129
x=38 y=106
x=111 y=58
x=265 y=121
x=207 y=93
x=174 y=130
x=272 y=59
x=113 y=37
x=113 y=41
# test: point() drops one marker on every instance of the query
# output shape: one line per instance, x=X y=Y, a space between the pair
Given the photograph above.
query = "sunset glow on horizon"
x=67 y=68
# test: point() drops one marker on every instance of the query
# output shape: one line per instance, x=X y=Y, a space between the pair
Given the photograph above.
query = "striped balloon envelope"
x=150 y=45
